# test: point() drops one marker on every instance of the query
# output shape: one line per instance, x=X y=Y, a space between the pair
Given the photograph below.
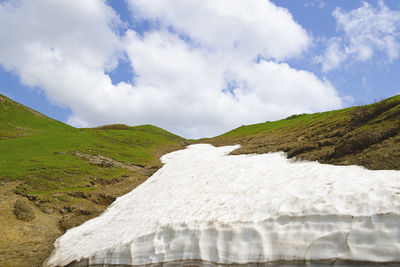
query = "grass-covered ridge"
x=42 y=152
x=352 y=114
x=363 y=135
x=292 y=120
x=18 y=120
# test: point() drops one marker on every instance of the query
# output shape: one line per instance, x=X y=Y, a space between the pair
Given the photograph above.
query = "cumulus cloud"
x=249 y=28
x=52 y=44
x=364 y=33
x=204 y=67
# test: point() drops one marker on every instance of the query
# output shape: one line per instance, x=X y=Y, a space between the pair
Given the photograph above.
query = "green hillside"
x=68 y=175
x=17 y=120
x=362 y=135
x=50 y=156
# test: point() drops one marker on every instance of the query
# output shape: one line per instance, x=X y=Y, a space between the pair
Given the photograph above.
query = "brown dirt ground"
x=24 y=243
x=21 y=240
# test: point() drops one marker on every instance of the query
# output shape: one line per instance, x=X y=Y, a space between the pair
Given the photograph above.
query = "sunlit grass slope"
x=364 y=135
x=41 y=152
x=298 y=120
x=18 y=120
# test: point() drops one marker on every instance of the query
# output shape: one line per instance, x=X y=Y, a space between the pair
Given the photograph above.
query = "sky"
x=196 y=68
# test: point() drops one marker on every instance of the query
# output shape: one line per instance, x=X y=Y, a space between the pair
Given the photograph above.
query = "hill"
x=17 y=120
x=54 y=176
x=363 y=135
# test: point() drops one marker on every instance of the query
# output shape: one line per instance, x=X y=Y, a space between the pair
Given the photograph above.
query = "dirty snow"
x=204 y=204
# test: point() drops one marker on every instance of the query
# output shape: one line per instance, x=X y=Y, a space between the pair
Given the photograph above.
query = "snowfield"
x=206 y=205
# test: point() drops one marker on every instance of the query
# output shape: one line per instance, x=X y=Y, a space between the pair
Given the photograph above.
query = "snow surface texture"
x=207 y=205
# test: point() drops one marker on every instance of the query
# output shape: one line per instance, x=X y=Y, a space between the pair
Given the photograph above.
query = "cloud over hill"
x=199 y=68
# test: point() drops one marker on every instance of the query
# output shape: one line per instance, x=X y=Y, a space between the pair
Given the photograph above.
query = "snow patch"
x=204 y=204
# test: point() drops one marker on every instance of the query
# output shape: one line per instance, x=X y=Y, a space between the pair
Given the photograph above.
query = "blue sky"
x=196 y=68
x=365 y=82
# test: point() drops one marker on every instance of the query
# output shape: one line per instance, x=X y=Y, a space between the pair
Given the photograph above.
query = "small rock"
x=48 y=210
x=23 y=211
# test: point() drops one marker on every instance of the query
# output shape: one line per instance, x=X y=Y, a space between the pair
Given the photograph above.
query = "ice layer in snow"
x=205 y=204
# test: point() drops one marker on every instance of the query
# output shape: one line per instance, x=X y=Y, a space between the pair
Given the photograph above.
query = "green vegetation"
x=42 y=152
x=17 y=120
x=357 y=114
x=294 y=120
x=366 y=135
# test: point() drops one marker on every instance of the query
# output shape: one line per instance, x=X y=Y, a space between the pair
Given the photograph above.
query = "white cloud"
x=42 y=39
x=364 y=32
x=247 y=27
x=201 y=85
x=190 y=89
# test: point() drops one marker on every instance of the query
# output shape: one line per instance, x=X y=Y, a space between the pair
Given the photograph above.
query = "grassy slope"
x=364 y=135
x=17 y=120
x=69 y=175
x=39 y=150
